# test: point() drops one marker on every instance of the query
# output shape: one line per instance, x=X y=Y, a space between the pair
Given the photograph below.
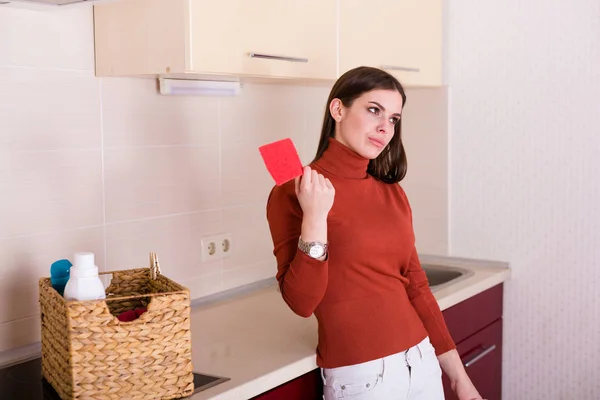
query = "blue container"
x=60 y=271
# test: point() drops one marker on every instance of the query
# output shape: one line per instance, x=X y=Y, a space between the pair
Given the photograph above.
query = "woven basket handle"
x=154 y=266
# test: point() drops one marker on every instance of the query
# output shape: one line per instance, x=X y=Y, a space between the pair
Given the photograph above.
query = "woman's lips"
x=378 y=143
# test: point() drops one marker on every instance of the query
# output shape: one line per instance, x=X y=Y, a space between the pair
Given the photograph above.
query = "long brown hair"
x=390 y=166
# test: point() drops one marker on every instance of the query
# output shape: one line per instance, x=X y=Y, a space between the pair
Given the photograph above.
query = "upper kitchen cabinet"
x=292 y=39
x=404 y=37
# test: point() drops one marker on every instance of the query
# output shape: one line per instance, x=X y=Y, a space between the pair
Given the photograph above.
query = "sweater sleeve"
x=427 y=307
x=424 y=302
x=302 y=279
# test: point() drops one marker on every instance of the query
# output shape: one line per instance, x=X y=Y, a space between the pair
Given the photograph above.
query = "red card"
x=282 y=160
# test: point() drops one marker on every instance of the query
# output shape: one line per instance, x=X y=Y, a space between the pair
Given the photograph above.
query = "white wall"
x=524 y=82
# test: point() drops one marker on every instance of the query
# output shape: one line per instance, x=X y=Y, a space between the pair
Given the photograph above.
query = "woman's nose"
x=384 y=128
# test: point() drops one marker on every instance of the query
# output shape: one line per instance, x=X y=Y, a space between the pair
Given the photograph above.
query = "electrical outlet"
x=216 y=247
x=224 y=245
x=209 y=248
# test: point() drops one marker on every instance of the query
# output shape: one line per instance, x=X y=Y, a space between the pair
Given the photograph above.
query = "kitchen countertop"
x=258 y=342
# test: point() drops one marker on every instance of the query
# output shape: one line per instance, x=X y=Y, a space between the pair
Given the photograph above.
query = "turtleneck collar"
x=342 y=161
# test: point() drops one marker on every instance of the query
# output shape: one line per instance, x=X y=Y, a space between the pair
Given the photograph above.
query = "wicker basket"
x=87 y=353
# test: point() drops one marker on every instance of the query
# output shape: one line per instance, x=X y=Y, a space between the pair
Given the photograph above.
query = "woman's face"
x=367 y=126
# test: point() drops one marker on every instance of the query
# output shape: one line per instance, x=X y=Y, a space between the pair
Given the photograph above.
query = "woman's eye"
x=394 y=120
x=374 y=110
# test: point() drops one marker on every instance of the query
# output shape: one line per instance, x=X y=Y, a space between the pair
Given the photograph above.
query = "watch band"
x=306 y=247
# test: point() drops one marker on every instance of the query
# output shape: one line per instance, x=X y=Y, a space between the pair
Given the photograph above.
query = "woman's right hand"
x=315 y=194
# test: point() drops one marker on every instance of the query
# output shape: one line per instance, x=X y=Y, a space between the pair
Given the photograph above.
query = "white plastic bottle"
x=84 y=282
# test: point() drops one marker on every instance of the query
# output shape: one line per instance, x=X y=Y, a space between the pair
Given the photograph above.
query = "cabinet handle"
x=397 y=68
x=282 y=58
x=479 y=356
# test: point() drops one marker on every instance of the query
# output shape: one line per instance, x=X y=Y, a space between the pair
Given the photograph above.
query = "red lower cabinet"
x=481 y=355
x=306 y=387
x=476 y=327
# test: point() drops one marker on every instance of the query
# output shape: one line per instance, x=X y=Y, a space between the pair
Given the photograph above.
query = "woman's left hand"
x=459 y=379
x=465 y=390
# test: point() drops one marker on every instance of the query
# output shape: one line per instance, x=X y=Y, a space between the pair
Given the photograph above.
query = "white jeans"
x=414 y=374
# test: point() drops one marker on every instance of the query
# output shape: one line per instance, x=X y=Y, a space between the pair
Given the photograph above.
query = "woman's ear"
x=336 y=109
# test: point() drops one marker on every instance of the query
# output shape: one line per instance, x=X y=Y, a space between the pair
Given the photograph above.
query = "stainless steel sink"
x=440 y=276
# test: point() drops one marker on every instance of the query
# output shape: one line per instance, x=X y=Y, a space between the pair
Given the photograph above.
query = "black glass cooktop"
x=24 y=382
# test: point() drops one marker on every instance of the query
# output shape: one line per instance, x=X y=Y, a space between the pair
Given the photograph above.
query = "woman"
x=352 y=262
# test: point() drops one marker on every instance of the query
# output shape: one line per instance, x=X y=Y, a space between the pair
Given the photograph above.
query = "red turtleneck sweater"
x=371 y=297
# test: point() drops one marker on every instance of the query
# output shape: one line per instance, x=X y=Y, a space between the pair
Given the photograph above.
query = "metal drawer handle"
x=397 y=68
x=479 y=356
x=282 y=58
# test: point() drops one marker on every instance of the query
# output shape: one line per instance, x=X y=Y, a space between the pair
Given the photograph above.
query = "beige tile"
x=432 y=235
x=309 y=150
x=19 y=333
x=315 y=106
x=20 y=299
x=262 y=114
x=251 y=273
x=426 y=170
x=427 y=166
x=55 y=38
x=427 y=201
x=250 y=234
x=54 y=190
x=176 y=240
x=28 y=258
x=430 y=218
x=49 y=110
x=425 y=136
x=204 y=285
x=158 y=181
x=245 y=178
x=136 y=115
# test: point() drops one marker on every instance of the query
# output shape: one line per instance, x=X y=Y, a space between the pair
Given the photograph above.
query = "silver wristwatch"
x=313 y=249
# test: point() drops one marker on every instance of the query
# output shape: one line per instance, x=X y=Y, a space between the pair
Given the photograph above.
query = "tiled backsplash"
x=110 y=166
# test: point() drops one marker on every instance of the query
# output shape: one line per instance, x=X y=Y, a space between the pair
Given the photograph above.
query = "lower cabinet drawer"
x=481 y=354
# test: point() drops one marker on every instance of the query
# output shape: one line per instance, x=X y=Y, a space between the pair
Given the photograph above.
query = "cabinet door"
x=306 y=387
x=404 y=37
x=289 y=39
x=470 y=316
x=481 y=354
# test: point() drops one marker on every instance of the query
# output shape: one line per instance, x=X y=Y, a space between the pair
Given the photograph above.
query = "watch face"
x=317 y=251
